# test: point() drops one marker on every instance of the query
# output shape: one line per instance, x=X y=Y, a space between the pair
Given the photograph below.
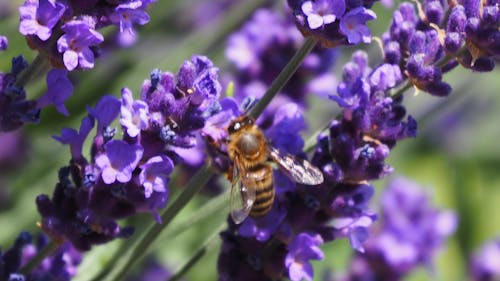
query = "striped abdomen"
x=260 y=177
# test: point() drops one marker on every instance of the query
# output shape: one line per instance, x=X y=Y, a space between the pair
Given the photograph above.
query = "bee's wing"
x=242 y=197
x=299 y=170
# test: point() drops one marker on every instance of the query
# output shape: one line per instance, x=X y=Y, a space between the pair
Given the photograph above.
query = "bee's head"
x=239 y=123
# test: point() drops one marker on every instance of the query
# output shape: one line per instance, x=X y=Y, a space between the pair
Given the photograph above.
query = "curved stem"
x=139 y=248
x=283 y=77
x=40 y=256
x=198 y=254
x=39 y=64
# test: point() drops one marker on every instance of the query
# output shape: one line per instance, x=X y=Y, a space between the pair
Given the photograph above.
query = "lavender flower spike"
x=38 y=17
x=119 y=161
x=485 y=264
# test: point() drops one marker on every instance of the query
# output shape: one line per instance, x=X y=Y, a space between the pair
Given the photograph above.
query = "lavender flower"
x=39 y=17
x=333 y=22
x=302 y=249
x=411 y=233
x=261 y=48
x=129 y=175
x=126 y=14
x=154 y=174
x=119 y=161
x=484 y=265
x=353 y=25
x=322 y=12
x=59 y=89
x=76 y=42
x=76 y=21
x=371 y=123
x=16 y=109
x=134 y=114
x=4 y=43
x=61 y=265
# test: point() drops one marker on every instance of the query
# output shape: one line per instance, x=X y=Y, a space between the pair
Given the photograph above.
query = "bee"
x=251 y=172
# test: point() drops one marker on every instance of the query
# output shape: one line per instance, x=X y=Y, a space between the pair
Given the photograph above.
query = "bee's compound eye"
x=234 y=127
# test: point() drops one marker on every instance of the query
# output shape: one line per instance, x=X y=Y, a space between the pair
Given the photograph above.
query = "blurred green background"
x=455 y=157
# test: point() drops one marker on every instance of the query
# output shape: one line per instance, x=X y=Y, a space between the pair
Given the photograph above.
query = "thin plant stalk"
x=40 y=256
x=283 y=77
x=198 y=254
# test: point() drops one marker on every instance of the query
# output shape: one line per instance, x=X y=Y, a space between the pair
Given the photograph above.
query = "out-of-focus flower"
x=485 y=264
x=411 y=233
x=61 y=265
x=4 y=43
x=260 y=50
x=152 y=270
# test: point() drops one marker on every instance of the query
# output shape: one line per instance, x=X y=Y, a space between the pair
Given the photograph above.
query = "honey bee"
x=251 y=174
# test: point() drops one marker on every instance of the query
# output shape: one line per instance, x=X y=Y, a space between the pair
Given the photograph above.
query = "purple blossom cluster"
x=61 y=265
x=17 y=109
x=128 y=175
x=485 y=263
x=72 y=26
x=426 y=44
x=334 y=22
x=260 y=50
x=410 y=234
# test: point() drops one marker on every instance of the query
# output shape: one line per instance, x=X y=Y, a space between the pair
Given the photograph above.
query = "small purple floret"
x=76 y=42
x=134 y=114
x=353 y=25
x=119 y=161
x=155 y=174
x=59 y=89
x=303 y=248
x=322 y=12
x=125 y=15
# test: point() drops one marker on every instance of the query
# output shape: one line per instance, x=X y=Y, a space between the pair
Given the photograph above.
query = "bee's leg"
x=230 y=173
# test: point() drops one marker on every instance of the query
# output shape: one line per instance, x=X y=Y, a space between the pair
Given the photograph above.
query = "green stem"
x=283 y=77
x=39 y=64
x=208 y=210
x=399 y=92
x=138 y=250
x=312 y=141
x=40 y=256
x=198 y=254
